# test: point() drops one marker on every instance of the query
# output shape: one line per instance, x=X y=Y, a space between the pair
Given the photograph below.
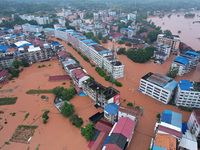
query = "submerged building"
x=188 y=94
x=186 y=62
x=158 y=86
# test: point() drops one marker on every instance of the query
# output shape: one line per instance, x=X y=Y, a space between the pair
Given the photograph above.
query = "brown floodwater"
x=190 y=32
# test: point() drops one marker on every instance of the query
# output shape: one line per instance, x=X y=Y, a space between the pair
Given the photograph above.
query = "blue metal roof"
x=69 y=31
x=37 y=34
x=34 y=26
x=185 y=85
x=60 y=28
x=155 y=147
x=55 y=44
x=75 y=34
x=184 y=128
x=111 y=108
x=5 y=28
x=21 y=34
x=170 y=86
x=181 y=60
x=87 y=41
x=172 y=118
x=48 y=29
x=13 y=36
x=110 y=21
x=81 y=37
x=92 y=44
x=190 y=53
x=104 y=52
x=3 y=48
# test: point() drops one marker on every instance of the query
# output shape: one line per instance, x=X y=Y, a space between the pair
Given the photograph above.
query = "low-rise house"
x=79 y=76
x=100 y=94
x=186 y=62
x=188 y=94
x=6 y=60
x=121 y=134
x=110 y=112
x=158 y=86
x=3 y=74
x=131 y=112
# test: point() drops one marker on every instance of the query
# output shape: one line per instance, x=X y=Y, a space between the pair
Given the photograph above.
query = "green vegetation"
x=44 y=121
x=186 y=108
x=168 y=33
x=104 y=40
x=141 y=55
x=39 y=66
x=8 y=100
x=38 y=91
x=152 y=35
x=26 y=116
x=73 y=57
x=138 y=107
x=179 y=31
x=14 y=73
x=88 y=131
x=100 y=36
x=49 y=65
x=122 y=50
x=172 y=72
x=7 y=143
x=37 y=148
x=59 y=39
x=158 y=116
x=12 y=114
x=130 y=104
x=189 y=15
x=76 y=120
x=67 y=109
x=16 y=64
x=129 y=44
x=24 y=62
x=63 y=83
x=169 y=15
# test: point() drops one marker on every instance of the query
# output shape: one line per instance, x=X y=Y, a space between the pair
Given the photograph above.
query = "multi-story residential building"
x=43 y=20
x=131 y=16
x=48 y=31
x=79 y=76
x=130 y=32
x=35 y=54
x=188 y=94
x=186 y=62
x=99 y=54
x=96 y=16
x=31 y=28
x=158 y=86
x=62 y=21
x=172 y=41
x=6 y=60
x=27 y=17
x=162 y=51
x=194 y=124
x=110 y=112
x=11 y=39
x=100 y=94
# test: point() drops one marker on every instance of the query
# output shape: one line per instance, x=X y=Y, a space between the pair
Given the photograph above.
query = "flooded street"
x=190 y=32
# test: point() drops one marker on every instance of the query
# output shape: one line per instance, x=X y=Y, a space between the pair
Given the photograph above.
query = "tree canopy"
x=16 y=64
x=88 y=131
x=67 y=109
x=152 y=35
x=168 y=32
x=104 y=40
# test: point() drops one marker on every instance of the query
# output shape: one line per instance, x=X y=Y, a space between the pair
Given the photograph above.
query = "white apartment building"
x=27 y=17
x=162 y=51
x=96 y=16
x=131 y=16
x=188 y=94
x=31 y=28
x=61 y=20
x=11 y=39
x=43 y=20
x=60 y=33
x=186 y=62
x=194 y=123
x=158 y=86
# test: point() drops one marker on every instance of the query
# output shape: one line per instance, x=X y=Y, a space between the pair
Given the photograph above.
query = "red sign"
x=117 y=99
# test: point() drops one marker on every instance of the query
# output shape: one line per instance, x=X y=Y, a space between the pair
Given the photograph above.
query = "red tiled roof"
x=61 y=53
x=77 y=71
x=78 y=89
x=196 y=113
x=103 y=126
x=3 y=73
x=129 y=110
x=59 y=78
x=99 y=141
x=150 y=29
x=125 y=126
x=91 y=143
x=81 y=75
x=112 y=147
x=170 y=131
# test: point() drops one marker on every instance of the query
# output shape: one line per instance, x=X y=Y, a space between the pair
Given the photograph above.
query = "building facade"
x=188 y=94
x=31 y=28
x=157 y=86
x=6 y=60
x=162 y=51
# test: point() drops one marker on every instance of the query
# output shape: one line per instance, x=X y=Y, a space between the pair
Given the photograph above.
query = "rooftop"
x=185 y=85
x=169 y=131
x=33 y=49
x=99 y=141
x=188 y=141
x=103 y=126
x=3 y=73
x=182 y=60
x=165 y=141
x=190 y=53
x=111 y=108
x=196 y=113
x=129 y=110
x=172 y=118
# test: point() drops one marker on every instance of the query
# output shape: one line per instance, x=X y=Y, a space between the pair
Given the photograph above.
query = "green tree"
x=100 y=36
x=122 y=50
x=68 y=94
x=173 y=72
x=130 y=104
x=89 y=35
x=95 y=39
x=88 y=131
x=58 y=91
x=67 y=109
x=168 y=33
x=16 y=64
x=25 y=63
x=104 y=40
x=152 y=35
x=158 y=116
x=142 y=29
